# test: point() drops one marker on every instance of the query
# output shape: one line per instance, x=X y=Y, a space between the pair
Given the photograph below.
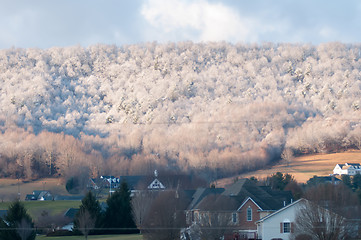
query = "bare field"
x=304 y=167
x=9 y=188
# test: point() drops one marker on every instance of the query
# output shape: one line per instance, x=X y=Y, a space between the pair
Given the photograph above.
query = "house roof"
x=30 y=197
x=348 y=165
x=264 y=196
x=326 y=179
x=235 y=195
x=218 y=203
x=280 y=210
x=71 y=212
x=200 y=193
x=235 y=188
x=132 y=181
x=37 y=193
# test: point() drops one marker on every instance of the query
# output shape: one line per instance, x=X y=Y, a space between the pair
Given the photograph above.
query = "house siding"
x=271 y=227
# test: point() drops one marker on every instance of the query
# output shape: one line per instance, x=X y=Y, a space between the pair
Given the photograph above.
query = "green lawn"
x=105 y=237
x=34 y=208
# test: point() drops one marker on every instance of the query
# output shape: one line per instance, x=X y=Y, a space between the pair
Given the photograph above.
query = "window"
x=249 y=213
x=286 y=227
x=234 y=217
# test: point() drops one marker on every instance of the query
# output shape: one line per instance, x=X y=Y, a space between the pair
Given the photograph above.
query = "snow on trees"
x=184 y=100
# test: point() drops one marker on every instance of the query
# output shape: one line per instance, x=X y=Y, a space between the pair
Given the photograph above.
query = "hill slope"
x=185 y=106
x=305 y=167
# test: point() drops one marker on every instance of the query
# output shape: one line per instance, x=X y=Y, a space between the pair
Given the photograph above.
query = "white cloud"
x=327 y=33
x=198 y=20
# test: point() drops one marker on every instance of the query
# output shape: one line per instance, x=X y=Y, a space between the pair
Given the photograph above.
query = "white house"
x=347 y=169
x=280 y=224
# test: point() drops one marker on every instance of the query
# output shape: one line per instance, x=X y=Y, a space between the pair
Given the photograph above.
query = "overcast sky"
x=49 y=23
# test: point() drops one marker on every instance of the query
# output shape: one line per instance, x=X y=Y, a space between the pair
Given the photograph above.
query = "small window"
x=286 y=227
x=234 y=217
x=249 y=214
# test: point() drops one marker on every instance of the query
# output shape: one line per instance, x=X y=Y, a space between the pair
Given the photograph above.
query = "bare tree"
x=141 y=203
x=328 y=212
x=24 y=229
x=85 y=222
x=166 y=217
x=319 y=223
x=287 y=156
x=214 y=224
x=48 y=222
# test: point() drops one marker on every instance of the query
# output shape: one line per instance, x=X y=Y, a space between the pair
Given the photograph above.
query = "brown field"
x=304 y=167
x=9 y=188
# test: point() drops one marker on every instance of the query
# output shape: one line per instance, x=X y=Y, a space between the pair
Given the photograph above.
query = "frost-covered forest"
x=185 y=106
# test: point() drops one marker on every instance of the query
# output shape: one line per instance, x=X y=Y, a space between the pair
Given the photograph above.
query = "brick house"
x=236 y=209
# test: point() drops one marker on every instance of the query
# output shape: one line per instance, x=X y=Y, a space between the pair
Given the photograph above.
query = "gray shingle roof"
x=202 y=193
x=233 y=196
x=71 y=212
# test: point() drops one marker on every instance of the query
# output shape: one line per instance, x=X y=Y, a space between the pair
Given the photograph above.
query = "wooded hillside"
x=130 y=109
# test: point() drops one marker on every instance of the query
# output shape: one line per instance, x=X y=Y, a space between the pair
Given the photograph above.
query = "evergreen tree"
x=119 y=217
x=280 y=181
x=17 y=224
x=91 y=205
x=346 y=179
x=356 y=181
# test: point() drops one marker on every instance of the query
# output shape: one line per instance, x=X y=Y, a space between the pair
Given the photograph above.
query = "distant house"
x=39 y=195
x=235 y=208
x=135 y=183
x=315 y=180
x=111 y=181
x=70 y=214
x=347 y=169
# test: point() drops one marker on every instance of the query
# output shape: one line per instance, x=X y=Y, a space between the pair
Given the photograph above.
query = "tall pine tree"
x=91 y=205
x=118 y=216
x=17 y=224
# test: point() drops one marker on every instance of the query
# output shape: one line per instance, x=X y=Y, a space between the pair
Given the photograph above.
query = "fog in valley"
x=205 y=107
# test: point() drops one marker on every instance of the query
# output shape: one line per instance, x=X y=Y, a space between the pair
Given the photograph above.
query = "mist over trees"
x=129 y=109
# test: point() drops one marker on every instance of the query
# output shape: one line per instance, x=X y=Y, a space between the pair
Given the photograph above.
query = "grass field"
x=304 y=167
x=99 y=237
x=35 y=208
x=9 y=188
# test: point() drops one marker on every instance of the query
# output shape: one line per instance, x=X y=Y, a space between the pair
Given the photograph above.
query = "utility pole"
x=110 y=186
x=19 y=189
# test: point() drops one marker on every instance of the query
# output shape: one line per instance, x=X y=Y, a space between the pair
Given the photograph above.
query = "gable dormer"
x=156 y=185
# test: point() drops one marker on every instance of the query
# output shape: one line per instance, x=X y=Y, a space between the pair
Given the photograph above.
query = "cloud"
x=199 y=20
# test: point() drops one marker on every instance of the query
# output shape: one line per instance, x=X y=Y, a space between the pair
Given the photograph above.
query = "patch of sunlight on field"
x=304 y=167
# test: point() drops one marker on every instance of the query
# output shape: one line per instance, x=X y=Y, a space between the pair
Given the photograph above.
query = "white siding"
x=270 y=227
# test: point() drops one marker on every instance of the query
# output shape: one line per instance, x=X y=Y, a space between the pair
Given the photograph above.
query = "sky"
x=60 y=23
